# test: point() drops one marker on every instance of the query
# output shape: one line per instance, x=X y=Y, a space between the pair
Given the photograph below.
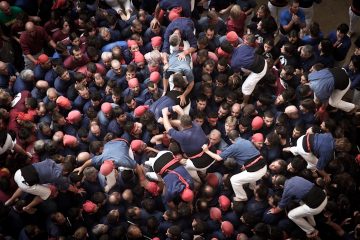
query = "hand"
x=327 y=178
x=273 y=211
x=12 y=79
x=78 y=169
x=29 y=155
x=165 y=111
x=205 y=148
x=182 y=100
x=295 y=18
x=183 y=161
x=287 y=149
x=223 y=11
x=36 y=19
x=81 y=191
x=181 y=56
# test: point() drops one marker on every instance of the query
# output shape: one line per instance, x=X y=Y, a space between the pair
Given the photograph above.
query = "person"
x=276 y=7
x=341 y=41
x=329 y=86
x=354 y=16
x=313 y=201
x=178 y=182
x=32 y=42
x=292 y=18
x=178 y=65
x=191 y=138
x=317 y=149
x=34 y=179
x=246 y=155
x=244 y=58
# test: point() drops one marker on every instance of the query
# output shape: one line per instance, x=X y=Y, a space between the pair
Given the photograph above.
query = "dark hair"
x=343 y=28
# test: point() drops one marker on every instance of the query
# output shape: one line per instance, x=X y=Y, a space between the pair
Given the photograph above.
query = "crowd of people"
x=178 y=119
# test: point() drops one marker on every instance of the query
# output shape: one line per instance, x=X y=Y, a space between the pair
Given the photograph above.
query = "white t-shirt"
x=9 y=144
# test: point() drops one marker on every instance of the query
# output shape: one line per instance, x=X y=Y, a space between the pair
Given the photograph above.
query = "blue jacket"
x=322 y=83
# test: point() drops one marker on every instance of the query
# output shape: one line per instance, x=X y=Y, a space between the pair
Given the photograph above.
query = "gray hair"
x=89 y=171
x=39 y=146
x=27 y=74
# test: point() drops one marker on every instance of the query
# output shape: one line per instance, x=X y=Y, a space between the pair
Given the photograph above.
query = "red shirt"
x=34 y=44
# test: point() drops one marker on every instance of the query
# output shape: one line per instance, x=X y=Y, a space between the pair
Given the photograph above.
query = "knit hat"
x=136 y=145
x=257 y=123
x=140 y=110
x=138 y=57
x=175 y=13
x=224 y=202
x=43 y=58
x=187 y=195
x=134 y=82
x=257 y=138
x=215 y=214
x=155 y=77
x=24 y=116
x=152 y=188
x=73 y=116
x=107 y=167
x=63 y=102
x=131 y=43
x=69 y=140
x=89 y=207
x=156 y=41
x=222 y=53
x=106 y=107
x=227 y=228
x=232 y=37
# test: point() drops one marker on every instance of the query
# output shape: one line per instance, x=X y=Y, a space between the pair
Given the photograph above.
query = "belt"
x=253 y=162
x=199 y=154
x=166 y=166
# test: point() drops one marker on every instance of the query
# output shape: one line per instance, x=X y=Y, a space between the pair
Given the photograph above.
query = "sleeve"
x=166 y=45
x=176 y=135
x=284 y=18
x=286 y=196
x=325 y=156
x=228 y=152
x=96 y=161
x=191 y=38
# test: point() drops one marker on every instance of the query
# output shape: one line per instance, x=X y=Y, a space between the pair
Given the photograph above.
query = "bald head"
x=292 y=111
x=5 y=7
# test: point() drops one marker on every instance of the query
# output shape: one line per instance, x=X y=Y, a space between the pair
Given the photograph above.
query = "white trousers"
x=275 y=11
x=354 y=19
x=189 y=166
x=336 y=101
x=238 y=180
x=251 y=81
x=303 y=216
x=310 y=158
